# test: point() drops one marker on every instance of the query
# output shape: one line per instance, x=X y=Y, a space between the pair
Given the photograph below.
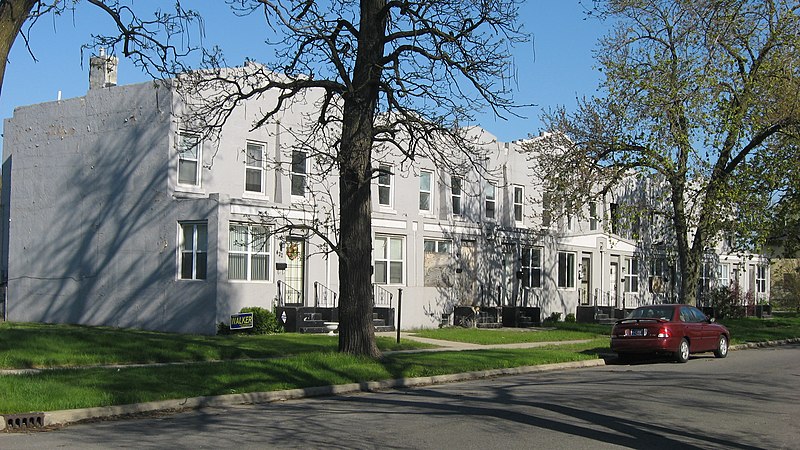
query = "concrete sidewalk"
x=450 y=346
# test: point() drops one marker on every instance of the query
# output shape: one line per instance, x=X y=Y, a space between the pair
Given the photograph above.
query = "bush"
x=554 y=317
x=728 y=302
x=264 y=322
x=570 y=318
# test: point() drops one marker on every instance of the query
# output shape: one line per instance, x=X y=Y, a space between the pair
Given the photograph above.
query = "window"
x=455 y=194
x=566 y=270
x=761 y=279
x=437 y=263
x=723 y=275
x=434 y=246
x=519 y=199
x=631 y=275
x=388 y=256
x=299 y=173
x=531 y=267
x=190 y=156
x=489 y=196
x=592 y=216
x=385 y=185
x=248 y=254
x=193 y=245
x=425 y=196
x=254 y=171
x=614 y=218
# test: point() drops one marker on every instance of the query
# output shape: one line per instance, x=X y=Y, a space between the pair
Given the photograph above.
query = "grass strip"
x=511 y=336
x=68 y=389
x=29 y=345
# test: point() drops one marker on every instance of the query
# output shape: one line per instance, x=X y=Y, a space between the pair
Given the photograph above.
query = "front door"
x=612 y=284
x=586 y=277
x=295 y=271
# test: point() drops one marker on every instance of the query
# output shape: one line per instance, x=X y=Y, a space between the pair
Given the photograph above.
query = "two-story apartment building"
x=116 y=213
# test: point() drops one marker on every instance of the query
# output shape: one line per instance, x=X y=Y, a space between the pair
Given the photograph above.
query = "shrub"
x=570 y=318
x=264 y=322
x=554 y=317
x=728 y=302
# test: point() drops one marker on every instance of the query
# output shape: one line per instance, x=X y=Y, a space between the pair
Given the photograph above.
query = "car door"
x=692 y=329
x=708 y=331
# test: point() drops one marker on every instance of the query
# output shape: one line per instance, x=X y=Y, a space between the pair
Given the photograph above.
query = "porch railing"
x=324 y=297
x=288 y=295
x=603 y=298
x=381 y=297
x=530 y=297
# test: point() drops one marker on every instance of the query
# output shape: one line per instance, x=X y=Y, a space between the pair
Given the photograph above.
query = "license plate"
x=638 y=332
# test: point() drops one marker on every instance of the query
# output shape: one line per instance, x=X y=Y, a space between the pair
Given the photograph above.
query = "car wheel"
x=682 y=355
x=722 y=347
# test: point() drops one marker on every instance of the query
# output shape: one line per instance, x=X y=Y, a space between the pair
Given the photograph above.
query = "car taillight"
x=664 y=332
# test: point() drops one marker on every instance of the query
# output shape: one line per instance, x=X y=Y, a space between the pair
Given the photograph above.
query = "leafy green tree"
x=702 y=96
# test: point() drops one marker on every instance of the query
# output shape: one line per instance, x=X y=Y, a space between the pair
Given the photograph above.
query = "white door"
x=612 y=284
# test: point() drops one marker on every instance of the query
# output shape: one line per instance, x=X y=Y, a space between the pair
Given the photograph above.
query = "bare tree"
x=696 y=94
x=147 y=42
x=393 y=76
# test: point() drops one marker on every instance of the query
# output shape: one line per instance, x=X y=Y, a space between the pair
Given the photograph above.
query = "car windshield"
x=653 y=312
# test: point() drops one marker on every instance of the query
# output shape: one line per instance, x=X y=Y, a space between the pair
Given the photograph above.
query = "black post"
x=399 y=307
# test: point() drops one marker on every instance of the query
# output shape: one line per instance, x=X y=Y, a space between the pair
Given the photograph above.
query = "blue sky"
x=554 y=69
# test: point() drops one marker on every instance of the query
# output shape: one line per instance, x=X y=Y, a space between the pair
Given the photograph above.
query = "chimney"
x=102 y=70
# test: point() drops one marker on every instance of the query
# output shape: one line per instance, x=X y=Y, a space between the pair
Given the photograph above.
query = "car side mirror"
x=711 y=320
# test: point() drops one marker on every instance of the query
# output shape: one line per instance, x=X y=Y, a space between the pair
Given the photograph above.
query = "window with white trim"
x=566 y=270
x=593 y=216
x=631 y=275
x=490 y=200
x=531 y=267
x=388 y=255
x=761 y=279
x=455 y=194
x=254 y=167
x=519 y=203
x=436 y=246
x=425 y=191
x=193 y=250
x=190 y=157
x=723 y=275
x=299 y=173
x=248 y=253
x=385 y=188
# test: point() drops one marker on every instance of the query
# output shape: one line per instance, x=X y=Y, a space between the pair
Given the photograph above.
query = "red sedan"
x=672 y=329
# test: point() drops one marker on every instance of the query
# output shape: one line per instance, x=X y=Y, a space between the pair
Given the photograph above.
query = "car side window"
x=698 y=315
x=686 y=315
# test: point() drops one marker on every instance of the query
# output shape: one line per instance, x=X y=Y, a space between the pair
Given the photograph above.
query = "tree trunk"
x=356 y=331
x=13 y=14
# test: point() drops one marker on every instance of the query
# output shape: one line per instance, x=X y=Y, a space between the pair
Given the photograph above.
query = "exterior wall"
x=90 y=186
x=93 y=227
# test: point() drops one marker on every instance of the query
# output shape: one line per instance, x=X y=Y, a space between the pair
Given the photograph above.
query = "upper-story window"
x=425 y=191
x=593 y=216
x=614 y=218
x=299 y=173
x=385 y=188
x=519 y=203
x=455 y=194
x=190 y=157
x=566 y=270
x=193 y=249
x=490 y=197
x=254 y=167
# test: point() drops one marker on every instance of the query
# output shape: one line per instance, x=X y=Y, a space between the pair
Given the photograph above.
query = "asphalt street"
x=748 y=400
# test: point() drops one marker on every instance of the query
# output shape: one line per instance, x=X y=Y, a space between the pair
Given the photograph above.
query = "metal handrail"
x=381 y=296
x=287 y=292
x=324 y=297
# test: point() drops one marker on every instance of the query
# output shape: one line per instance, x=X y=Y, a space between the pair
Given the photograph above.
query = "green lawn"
x=29 y=345
x=294 y=360
x=510 y=336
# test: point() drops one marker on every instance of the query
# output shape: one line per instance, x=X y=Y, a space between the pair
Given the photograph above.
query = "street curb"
x=749 y=345
x=64 y=417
